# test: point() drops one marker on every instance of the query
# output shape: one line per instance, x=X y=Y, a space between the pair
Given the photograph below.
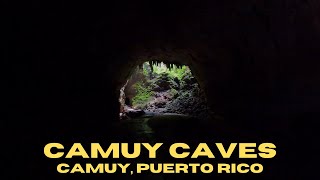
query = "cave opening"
x=161 y=88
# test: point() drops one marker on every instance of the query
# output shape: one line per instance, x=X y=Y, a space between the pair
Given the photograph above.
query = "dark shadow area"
x=257 y=62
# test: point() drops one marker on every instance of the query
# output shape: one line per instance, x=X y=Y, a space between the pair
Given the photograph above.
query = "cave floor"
x=167 y=128
x=175 y=128
x=148 y=125
x=171 y=127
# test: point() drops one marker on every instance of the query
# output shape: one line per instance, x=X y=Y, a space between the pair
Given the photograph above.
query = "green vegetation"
x=143 y=95
x=146 y=66
x=163 y=88
x=174 y=72
x=179 y=72
x=156 y=77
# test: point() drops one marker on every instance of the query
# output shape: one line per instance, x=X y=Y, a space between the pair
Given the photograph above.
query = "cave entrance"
x=162 y=88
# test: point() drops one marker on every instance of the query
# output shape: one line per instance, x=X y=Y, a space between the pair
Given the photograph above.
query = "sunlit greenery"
x=178 y=72
x=174 y=72
x=143 y=95
x=144 y=91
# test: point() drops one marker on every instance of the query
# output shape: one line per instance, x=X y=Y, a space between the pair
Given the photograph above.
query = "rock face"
x=129 y=89
x=129 y=112
x=188 y=101
x=161 y=83
x=171 y=95
x=122 y=98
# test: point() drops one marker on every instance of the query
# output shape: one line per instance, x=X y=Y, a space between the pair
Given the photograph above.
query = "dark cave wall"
x=256 y=60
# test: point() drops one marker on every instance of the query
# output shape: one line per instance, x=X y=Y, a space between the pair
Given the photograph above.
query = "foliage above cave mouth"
x=163 y=88
x=172 y=70
x=159 y=77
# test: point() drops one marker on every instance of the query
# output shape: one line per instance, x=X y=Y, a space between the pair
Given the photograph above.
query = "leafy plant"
x=145 y=69
x=179 y=73
x=160 y=69
x=174 y=72
x=143 y=95
x=159 y=73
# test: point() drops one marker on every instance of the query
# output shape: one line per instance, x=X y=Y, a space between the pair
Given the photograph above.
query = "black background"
x=64 y=59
